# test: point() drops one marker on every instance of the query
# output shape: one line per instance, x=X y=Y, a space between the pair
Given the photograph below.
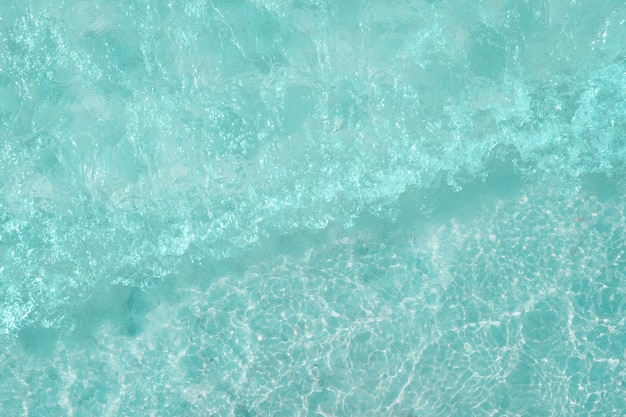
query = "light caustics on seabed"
x=341 y=208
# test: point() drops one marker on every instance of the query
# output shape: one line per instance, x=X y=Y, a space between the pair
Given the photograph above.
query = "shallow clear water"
x=313 y=208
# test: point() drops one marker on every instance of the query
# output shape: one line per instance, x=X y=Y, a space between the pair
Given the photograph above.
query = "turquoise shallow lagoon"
x=313 y=208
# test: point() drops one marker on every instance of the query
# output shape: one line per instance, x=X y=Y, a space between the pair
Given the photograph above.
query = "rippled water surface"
x=314 y=208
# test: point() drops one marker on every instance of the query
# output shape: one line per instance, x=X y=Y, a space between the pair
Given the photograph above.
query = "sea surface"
x=410 y=208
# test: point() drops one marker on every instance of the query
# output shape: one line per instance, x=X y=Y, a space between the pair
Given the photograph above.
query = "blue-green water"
x=313 y=208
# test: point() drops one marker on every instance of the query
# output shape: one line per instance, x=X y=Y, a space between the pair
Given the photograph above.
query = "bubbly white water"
x=356 y=191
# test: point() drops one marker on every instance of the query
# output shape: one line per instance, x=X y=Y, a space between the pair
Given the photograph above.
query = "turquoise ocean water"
x=313 y=208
